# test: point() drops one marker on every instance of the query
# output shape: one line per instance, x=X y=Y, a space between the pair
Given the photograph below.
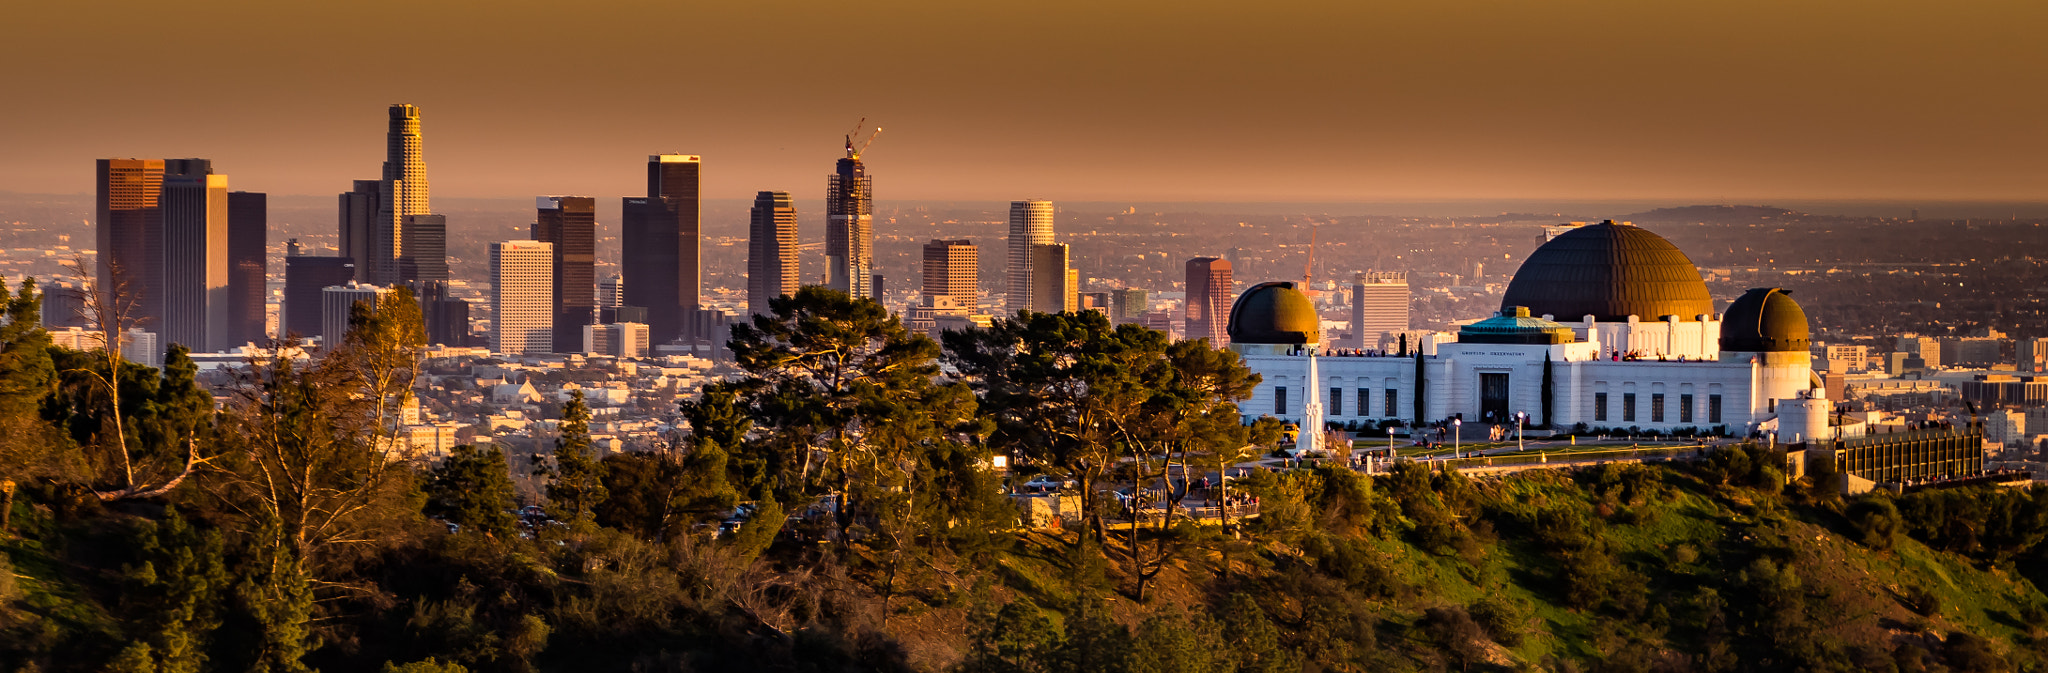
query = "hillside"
x=1638 y=568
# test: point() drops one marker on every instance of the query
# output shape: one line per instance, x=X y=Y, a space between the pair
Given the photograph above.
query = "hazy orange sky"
x=1258 y=100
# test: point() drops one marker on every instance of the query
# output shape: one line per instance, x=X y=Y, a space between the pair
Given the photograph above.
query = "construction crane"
x=855 y=152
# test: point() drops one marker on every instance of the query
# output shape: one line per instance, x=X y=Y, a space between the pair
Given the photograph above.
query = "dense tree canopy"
x=836 y=504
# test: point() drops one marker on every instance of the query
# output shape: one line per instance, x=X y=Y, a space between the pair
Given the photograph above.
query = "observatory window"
x=1713 y=408
x=1364 y=397
x=1337 y=401
x=1685 y=408
x=1600 y=406
x=1656 y=407
x=1279 y=400
x=1393 y=402
x=1628 y=407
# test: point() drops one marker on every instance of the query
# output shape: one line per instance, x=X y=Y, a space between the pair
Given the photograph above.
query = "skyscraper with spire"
x=387 y=225
x=850 y=226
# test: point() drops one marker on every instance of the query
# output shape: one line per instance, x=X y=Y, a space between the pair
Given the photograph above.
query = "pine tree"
x=576 y=479
x=472 y=488
x=1548 y=395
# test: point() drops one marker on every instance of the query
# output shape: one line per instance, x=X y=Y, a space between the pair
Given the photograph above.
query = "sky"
x=1190 y=100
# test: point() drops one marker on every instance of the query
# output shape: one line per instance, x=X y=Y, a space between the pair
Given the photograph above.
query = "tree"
x=1019 y=638
x=166 y=419
x=110 y=310
x=309 y=484
x=472 y=488
x=1057 y=386
x=718 y=416
x=1191 y=410
x=385 y=341
x=576 y=479
x=834 y=375
x=1547 y=394
x=1421 y=390
x=29 y=447
x=658 y=495
x=172 y=595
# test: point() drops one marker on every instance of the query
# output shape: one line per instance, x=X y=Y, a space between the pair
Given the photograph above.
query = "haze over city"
x=1129 y=101
x=1053 y=337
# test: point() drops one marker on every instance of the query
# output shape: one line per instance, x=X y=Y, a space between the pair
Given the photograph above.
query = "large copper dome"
x=1609 y=271
x=1274 y=313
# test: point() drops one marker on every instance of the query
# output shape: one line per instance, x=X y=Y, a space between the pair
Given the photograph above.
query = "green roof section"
x=1514 y=326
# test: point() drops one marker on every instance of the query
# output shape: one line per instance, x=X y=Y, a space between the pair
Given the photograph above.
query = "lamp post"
x=1457 y=439
x=1520 y=417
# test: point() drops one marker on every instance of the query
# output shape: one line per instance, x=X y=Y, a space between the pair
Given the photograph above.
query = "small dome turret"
x=1274 y=314
x=1765 y=320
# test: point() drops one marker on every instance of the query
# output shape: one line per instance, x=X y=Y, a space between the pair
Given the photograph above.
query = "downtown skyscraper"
x=952 y=276
x=1208 y=305
x=248 y=270
x=195 y=267
x=660 y=234
x=1030 y=226
x=387 y=225
x=1379 y=305
x=850 y=227
x=189 y=255
x=569 y=223
x=522 y=297
x=128 y=229
x=772 y=268
x=1054 y=282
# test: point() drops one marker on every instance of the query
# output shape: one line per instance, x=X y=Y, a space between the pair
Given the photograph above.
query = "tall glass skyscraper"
x=659 y=234
x=570 y=223
x=195 y=267
x=1208 y=305
x=850 y=226
x=248 y=231
x=129 y=232
x=772 y=269
x=1030 y=226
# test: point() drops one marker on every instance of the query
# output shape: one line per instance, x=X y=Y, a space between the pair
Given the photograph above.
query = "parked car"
x=1046 y=483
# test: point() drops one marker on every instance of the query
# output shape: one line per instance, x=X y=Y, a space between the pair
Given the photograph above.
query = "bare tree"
x=109 y=308
x=305 y=467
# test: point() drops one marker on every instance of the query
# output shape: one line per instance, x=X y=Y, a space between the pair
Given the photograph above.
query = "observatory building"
x=1606 y=325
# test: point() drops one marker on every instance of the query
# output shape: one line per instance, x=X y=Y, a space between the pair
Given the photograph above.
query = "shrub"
x=1504 y=619
x=1876 y=520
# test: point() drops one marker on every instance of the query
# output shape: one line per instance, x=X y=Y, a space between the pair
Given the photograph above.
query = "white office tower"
x=140 y=347
x=522 y=297
x=624 y=339
x=1030 y=226
x=1379 y=304
x=336 y=303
